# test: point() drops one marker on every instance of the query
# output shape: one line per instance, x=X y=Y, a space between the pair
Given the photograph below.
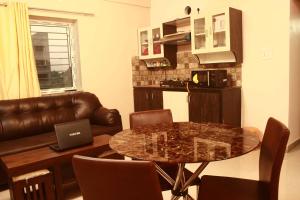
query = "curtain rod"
x=57 y=11
x=128 y=4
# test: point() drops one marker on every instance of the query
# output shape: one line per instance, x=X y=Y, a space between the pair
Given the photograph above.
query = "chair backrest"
x=150 y=117
x=116 y=179
x=271 y=155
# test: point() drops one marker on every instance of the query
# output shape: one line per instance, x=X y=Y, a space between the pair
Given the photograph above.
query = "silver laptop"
x=72 y=134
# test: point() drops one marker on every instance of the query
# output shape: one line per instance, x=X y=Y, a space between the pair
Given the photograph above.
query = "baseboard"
x=293 y=145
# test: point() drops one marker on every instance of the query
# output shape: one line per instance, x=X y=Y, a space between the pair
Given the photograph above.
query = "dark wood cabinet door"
x=156 y=99
x=231 y=107
x=147 y=99
x=141 y=99
x=205 y=107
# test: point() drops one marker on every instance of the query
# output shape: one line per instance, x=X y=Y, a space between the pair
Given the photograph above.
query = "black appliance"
x=210 y=78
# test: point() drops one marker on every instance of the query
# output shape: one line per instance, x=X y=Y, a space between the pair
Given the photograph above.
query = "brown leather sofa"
x=28 y=123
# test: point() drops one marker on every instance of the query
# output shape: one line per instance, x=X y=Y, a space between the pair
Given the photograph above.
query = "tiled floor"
x=247 y=167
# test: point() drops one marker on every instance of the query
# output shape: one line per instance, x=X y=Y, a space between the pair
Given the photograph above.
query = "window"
x=54 y=52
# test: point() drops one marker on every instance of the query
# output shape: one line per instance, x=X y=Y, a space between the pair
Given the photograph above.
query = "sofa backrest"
x=31 y=116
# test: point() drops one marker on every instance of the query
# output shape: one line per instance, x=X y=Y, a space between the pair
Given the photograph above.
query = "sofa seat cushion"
x=27 y=143
x=45 y=139
x=108 y=130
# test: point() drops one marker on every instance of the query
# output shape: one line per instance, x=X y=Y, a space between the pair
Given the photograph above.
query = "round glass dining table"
x=185 y=142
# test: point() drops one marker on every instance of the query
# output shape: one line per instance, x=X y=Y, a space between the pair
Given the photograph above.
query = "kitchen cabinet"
x=149 y=45
x=219 y=106
x=152 y=50
x=147 y=99
x=218 y=31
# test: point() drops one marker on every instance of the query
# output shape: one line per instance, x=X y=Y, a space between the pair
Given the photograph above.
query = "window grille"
x=54 y=55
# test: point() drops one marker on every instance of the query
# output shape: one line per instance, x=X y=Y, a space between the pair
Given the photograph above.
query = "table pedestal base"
x=180 y=185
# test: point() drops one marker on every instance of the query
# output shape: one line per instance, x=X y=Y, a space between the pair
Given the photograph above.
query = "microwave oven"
x=209 y=78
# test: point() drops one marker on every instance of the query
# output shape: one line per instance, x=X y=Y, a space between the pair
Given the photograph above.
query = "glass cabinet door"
x=156 y=45
x=219 y=30
x=144 y=43
x=200 y=34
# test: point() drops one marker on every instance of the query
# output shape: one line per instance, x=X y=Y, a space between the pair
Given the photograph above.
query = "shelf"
x=200 y=34
x=176 y=42
x=179 y=38
x=144 y=44
x=179 y=22
x=219 y=31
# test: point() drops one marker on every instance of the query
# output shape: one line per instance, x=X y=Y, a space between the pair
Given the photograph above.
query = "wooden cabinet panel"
x=147 y=99
x=221 y=106
x=156 y=99
x=205 y=107
x=231 y=107
x=141 y=99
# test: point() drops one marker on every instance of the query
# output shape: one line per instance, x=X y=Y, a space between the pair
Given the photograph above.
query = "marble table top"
x=185 y=142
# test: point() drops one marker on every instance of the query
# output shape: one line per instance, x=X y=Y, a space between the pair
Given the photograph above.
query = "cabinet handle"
x=152 y=96
x=188 y=98
x=147 y=96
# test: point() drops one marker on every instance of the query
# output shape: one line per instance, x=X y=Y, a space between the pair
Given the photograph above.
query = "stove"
x=173 y=84
x=179 y=84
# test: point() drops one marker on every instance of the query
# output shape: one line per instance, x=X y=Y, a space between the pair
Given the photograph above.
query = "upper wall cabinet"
x=149 y=46
x=152 y=50
x=217 y=36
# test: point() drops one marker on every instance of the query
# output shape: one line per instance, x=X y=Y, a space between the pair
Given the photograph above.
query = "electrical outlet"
x=266 y=53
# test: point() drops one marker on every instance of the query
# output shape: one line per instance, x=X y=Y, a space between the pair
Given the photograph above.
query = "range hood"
x=176 y=38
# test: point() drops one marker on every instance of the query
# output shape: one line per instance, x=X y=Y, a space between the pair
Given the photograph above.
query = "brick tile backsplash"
x=186 y=62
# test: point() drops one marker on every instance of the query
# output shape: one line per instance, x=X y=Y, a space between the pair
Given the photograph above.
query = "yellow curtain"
x=18 y=74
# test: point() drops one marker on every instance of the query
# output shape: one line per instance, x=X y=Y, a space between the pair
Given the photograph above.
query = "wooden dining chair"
x=153 y=117
x=112 y=179
x=270 y=161
x=150 y=117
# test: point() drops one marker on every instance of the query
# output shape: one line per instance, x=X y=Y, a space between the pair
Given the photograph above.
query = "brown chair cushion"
x=215 y=187
x=26 y=143
x=42 y=140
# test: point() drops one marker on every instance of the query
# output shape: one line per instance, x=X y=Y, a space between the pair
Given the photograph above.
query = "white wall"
x=107 y=42
x=143 y=3
x=265 y=80
x=294 y=115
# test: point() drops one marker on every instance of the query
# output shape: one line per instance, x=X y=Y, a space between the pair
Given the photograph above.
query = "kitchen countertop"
x=183 y=89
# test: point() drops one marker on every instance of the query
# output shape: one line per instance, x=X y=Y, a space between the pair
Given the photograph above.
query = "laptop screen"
x=73 y=134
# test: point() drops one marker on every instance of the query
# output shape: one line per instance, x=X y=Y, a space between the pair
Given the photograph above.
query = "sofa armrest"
x=105 y=116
